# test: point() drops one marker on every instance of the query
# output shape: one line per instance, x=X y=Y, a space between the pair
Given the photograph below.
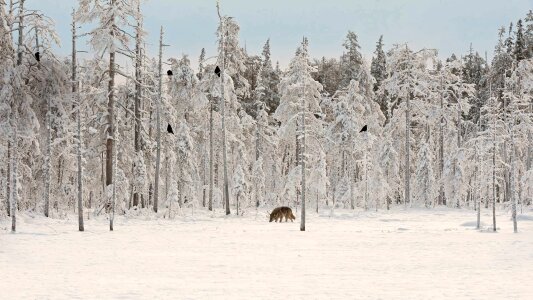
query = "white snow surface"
x=400 y=254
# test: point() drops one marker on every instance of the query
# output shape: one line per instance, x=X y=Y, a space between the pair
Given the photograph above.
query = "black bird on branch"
x=169 y=73
x=217 y=71
x=169 y=129
x=38 y=56
x=364 y=129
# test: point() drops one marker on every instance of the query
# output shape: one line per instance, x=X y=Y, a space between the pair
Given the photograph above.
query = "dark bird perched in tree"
x=169 y=129
x=364 y=129
x=217 y=71
x=38 y=56
x=318 y=116
x=169 y=73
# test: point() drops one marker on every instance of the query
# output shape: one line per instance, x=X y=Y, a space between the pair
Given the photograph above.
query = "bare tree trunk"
x=138 y=91
x=407 y=151
x=223 y=105
x=20 y=32
x=48 y=158
x=211 y=161
x=75 y=91
x=258 y=194
x=8 y=181
x=14 y=192
x=493 y=169
x=442 y=199
x=302 y=148
x=14 y=158
x=110 y=120
x=512 y=182
x=158 y=121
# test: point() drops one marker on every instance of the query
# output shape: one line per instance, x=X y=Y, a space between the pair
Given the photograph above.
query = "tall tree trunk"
x=47 y=158
x=8 y=181
x=75 y=91
x=211 y=161
x=110 y=119
x=302 y=148
x=137 y=101
x=442 y=199
x=158 y=122
x=20 y=33
x=223 y=105
x=14 y=196
x=407 y=151
x=493 y=168
x=14 y=125
x=257 y=154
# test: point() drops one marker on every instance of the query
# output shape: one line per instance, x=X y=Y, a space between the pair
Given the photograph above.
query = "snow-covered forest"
x=395 y=164
x=404 y=128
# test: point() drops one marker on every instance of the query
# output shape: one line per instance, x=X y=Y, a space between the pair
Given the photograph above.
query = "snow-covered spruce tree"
x=237 y=125
x=528 y=34
x=139 y=168
x=268 y=81
x=108 y=36
x=234 y=56
x=186 y=164
x=519 y=52
x=408 y=84
x=240 y=187
x=298 y=106
x=389 y=166
x=352 y=110
x=208 y=91
x=351 y=60
x=328 y=74
x=7 y=65
x=17 y=107
x=425 y=191
x=456 y=94
x=518 y=94
x=191 y=106
x=378 y=67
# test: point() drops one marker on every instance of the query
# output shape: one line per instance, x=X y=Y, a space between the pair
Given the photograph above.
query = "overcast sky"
x=447 y=25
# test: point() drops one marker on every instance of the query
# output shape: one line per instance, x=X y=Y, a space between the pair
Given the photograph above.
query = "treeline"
x=406 y=128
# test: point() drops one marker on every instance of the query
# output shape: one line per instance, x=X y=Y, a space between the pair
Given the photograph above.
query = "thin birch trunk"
x=111 y=119
x=407 y=152
x=442 y=199
x=302 y=149
x=211 y=161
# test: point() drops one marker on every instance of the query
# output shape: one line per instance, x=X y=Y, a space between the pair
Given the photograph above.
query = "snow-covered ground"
x=414 y=254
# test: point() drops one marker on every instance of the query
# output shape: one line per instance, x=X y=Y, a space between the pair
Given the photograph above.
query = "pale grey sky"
x=447 y=25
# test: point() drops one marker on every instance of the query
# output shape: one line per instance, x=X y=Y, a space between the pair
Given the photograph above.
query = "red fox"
x=280 y=212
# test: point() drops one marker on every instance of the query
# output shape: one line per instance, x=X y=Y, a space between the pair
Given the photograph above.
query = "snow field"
x=413 y=254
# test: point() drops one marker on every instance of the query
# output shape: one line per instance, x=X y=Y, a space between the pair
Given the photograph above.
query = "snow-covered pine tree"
x=298 y=106
x=108 y=36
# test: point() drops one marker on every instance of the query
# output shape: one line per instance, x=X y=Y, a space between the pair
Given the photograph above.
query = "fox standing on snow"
x=280 y=212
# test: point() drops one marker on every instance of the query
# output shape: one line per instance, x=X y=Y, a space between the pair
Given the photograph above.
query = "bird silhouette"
x=364 y=129
x=38 y=56
x=169 y=129
x=217 y=71
x=169 y=73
